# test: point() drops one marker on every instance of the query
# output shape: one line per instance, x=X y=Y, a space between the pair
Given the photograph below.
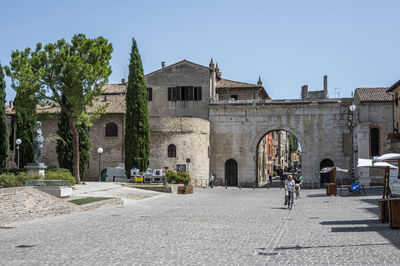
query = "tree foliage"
x=293 y=144
x=64 y=143
x=76 y=71
x=3 y=125
x=137 y=136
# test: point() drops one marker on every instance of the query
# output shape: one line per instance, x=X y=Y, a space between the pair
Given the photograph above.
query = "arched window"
x=171 y=150
x=111 y=130
x=374 y=141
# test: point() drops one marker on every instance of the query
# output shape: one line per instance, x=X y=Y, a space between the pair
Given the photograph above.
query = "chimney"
x=325 y=87
x=11 y=105
x=162 y=64
x=123 y=81
x=304 y=92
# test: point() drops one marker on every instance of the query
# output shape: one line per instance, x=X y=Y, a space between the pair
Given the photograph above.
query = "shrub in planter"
x=176 y=177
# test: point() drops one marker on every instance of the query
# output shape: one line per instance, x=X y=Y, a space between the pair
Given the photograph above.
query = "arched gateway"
x=238 y=127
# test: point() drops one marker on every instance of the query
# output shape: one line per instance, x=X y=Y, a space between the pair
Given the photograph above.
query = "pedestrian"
x=211 y=180
x=270 y=180
x=297 y=186
x=289 y=187
x=283 y=178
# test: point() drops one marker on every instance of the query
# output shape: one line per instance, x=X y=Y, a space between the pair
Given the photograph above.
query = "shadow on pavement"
x=371 y=225
x=297 y=247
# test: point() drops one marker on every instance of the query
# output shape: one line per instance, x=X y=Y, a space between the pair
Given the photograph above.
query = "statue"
x=37 y=142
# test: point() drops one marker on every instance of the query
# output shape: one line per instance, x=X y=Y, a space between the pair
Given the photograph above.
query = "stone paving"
x=211 y=227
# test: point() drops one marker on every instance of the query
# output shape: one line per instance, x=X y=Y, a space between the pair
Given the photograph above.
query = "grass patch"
x=88 y=200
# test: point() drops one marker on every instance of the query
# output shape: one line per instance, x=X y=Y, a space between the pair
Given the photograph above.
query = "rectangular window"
x=150 y=94
x=396 y=98
x=169 y=94
x=197 y=93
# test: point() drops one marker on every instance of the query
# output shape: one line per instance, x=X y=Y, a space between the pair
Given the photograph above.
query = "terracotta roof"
x=373 y=95
x=226 y=83
x=394 y=86
x=114 y=88
x=116 y=105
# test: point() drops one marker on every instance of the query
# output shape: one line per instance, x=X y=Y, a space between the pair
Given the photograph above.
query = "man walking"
x=270 y=180
x=211 y=180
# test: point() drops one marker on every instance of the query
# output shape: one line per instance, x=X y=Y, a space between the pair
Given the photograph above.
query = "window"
x=396 y=98
x=235 y=97
x=111 y=130
x=172 y=151
x=374 y=141
x=184 y=93
x=197 y=94
x=150 y=94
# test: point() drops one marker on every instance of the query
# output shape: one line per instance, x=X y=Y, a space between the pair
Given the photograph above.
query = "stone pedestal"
x=35 y=168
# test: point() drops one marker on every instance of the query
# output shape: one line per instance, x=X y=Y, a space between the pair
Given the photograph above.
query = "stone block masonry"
x=22 y=204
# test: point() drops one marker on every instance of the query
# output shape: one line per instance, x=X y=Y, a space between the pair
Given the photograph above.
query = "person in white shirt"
x=211 y=180
x=289 y=187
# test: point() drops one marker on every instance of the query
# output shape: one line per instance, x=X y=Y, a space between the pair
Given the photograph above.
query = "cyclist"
x=289 y=188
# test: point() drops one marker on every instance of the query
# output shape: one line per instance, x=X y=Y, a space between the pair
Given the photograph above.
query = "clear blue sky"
x=287 y=43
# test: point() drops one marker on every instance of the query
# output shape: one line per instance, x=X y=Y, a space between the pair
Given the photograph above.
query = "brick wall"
x=22 y=204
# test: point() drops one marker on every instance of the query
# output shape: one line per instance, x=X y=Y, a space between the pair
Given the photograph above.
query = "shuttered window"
x=184 y=93
x=150 y=94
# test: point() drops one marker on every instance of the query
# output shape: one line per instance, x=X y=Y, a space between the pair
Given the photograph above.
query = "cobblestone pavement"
x=210 y=227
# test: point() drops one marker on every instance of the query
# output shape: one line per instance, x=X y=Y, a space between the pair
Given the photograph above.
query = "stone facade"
x=236 y=129
x=372 y=111
x=191 y=138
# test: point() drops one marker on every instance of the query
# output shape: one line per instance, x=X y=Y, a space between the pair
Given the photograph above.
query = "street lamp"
x=100 y=151
x=18 y=141
x=352 y=108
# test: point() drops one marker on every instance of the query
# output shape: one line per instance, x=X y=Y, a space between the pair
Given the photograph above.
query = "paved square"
x=211 y=227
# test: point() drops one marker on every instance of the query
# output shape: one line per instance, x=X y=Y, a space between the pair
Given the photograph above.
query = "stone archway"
x=325 y=177
x=267 y=162
x=231 y=172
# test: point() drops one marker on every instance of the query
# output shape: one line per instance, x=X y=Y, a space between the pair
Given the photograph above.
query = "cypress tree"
x=64 y=143
x=3 y=126
x=25 y=114
x=137 y=136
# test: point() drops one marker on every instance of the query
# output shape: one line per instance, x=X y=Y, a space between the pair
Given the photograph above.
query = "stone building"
x=202 y=123
x=394 y=137
x=373 y=123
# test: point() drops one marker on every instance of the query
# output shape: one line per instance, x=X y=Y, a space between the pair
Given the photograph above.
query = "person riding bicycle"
x=289 y=188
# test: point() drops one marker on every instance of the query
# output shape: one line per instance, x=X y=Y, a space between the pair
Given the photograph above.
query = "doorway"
x=325 y=177
x=231 y=172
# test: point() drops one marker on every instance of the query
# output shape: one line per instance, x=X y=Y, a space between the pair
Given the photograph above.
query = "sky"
x=286 y=43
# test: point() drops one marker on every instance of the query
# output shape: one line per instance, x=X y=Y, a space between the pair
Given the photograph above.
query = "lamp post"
x=18 y=142
x=100 y=151
x=352 y=108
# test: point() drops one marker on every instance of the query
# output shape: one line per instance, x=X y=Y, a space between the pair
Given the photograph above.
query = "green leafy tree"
x=137 y=136
x=76 y=71
x=3 y=126
x=64 y=143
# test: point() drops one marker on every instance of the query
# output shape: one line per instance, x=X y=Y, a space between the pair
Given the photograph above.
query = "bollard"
x=254 y=187
x=226 y=185
x=240 y=187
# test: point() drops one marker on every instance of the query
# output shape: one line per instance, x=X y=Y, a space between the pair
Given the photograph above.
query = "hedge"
x=8 y=179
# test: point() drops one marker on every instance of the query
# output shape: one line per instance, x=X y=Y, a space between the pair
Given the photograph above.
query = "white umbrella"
x=387 y=156
x=328 y=169
x=370 y=163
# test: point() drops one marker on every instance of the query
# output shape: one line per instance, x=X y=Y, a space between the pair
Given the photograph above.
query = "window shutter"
x=169 y=94
x=178 y=93
x=191 y=93
x=199 y=93
x=150 y=94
